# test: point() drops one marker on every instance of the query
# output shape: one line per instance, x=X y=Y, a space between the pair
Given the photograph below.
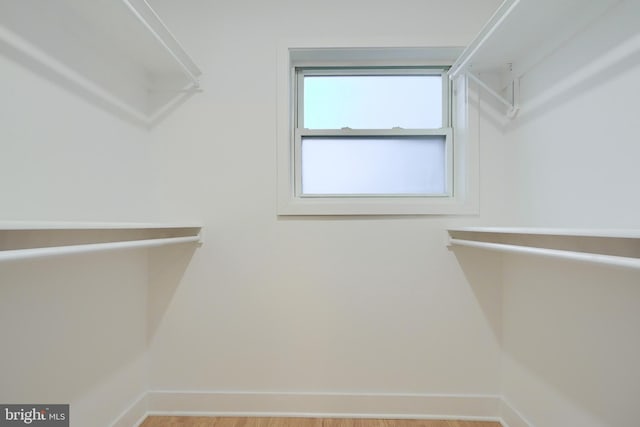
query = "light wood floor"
x=302 y=422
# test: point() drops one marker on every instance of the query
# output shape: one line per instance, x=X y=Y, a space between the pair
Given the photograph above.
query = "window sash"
x=301 y=72
x=301 y=133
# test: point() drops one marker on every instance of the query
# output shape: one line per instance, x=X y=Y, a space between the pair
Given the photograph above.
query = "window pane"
x=372 y=102
x=373 y=165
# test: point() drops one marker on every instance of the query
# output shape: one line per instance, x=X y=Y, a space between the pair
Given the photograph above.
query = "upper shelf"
x=613 y=247
x=24 y=239
x=522 y=32
x=118 y=54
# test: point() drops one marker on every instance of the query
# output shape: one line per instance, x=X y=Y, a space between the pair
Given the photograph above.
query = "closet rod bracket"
x=512 y=105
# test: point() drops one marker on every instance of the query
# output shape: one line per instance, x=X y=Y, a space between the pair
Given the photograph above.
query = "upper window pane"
x=373 y=102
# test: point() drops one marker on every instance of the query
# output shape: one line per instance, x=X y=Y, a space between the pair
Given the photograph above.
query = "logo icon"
x=37 y=415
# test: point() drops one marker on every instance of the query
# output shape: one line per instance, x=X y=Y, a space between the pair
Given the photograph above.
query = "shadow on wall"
x=483 y=271
x=76 y=328
x=600 y=52
x=68 y=75
x=167 y=266
x=73 y=331
x=571 y=336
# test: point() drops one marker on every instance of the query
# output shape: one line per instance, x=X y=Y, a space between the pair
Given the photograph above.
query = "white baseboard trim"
x=511 y=417
x=353 y=405
x=326 y=405
x=135 y=414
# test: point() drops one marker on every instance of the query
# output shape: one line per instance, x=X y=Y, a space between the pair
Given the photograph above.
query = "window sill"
x=376 y=206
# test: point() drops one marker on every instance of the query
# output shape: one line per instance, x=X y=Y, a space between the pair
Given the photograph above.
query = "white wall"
x=64 y=159
x=571 y=343
x=74 y=331
x=575 y=145
x=342 y=304
x=570 y=330
x=73 y=328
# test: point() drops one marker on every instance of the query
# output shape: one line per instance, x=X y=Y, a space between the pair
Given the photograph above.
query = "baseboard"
x=510 y=417
x=326 y=405
x=134 y=415
x=356 y=405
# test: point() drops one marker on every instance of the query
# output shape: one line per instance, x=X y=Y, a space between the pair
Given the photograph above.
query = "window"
x=378 y=132
x=370 y=131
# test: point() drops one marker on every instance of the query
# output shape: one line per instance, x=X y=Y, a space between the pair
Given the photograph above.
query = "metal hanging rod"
x=17 y=254
x=154 y=24
x=617 y=261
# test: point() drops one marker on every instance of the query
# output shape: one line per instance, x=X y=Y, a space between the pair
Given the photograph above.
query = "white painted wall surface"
x=73 y=328
x=570 y=330
x=64 y=159
x=571 y=342
x=334 y=304
x=74 y=331
x=574 y=146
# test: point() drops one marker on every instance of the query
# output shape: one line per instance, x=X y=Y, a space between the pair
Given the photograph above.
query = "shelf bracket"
x=512 y=105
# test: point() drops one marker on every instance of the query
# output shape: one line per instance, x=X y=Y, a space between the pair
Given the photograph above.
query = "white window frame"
x=300 y=131
x=461 y=148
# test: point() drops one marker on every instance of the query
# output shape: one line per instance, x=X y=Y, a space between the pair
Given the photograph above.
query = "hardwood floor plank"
x=416 y=423
x=294 y=422
x=472 y=424
x=233 y=422
x=363 y=422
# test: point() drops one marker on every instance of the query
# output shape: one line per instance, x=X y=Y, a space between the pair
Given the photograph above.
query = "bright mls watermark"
x=34 y=415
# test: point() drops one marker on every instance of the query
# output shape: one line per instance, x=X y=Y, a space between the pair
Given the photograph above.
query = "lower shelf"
x=36 y=240
x=612 y=247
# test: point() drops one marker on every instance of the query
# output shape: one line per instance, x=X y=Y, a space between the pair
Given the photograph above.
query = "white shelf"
x=23 y=239
x=73 y=225
x=522 y=32
x=118 y=54
x=520 y=35
x=607 y=246
x=613 y=233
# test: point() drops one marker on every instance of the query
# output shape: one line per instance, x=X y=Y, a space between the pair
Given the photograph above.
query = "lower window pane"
x=373 y=165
